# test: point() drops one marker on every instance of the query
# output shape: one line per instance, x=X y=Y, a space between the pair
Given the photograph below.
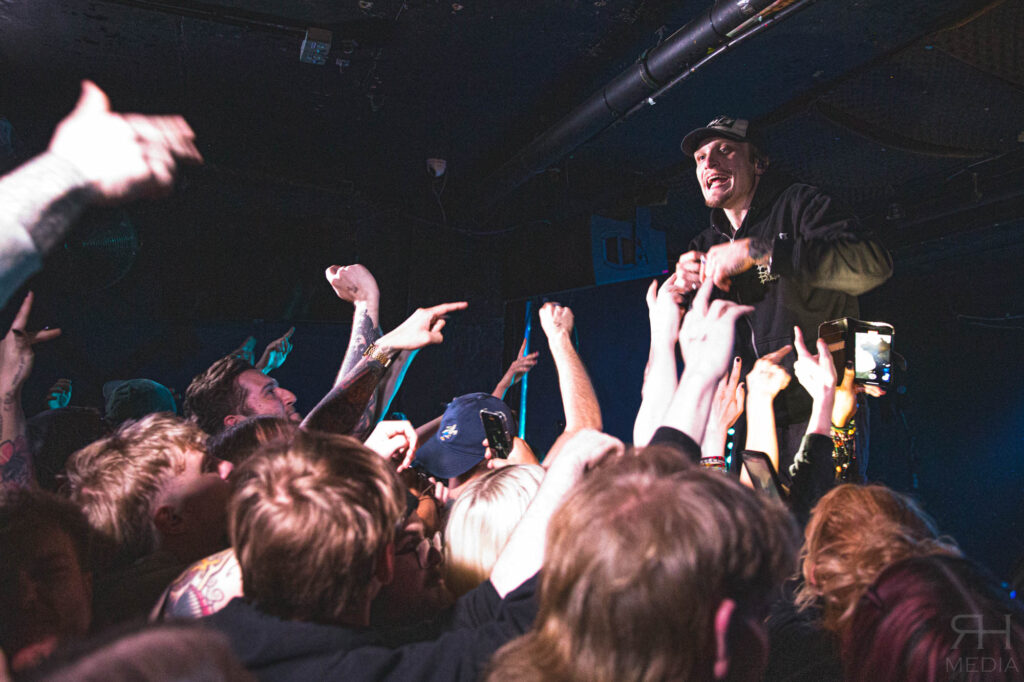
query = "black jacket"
x=822 y=259
x=276 y=649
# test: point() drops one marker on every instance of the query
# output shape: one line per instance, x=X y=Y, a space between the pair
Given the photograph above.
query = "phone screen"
x=873 y=357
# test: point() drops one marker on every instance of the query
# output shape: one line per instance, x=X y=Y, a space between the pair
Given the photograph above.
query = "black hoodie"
x=822 y=259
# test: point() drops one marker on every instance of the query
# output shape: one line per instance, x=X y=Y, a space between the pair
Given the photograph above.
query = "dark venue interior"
x=910 y=112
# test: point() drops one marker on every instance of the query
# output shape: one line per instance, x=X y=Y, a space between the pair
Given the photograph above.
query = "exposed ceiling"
x=911 y=111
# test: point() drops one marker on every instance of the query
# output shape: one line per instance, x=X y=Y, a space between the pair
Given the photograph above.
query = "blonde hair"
x=308 y=521
x=481 y=521
x=117 y=479
x=854 y=532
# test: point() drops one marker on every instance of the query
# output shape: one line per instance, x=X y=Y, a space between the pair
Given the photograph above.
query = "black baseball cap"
x=737 y=129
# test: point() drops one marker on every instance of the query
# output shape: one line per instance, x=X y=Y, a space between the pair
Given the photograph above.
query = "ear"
x=168 y=521
x=723 y=617
x=384 y=570
x=760 y=166
x=232 y=419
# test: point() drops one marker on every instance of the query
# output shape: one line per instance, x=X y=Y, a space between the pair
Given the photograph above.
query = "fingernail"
x=849 y=364
x=737 y=360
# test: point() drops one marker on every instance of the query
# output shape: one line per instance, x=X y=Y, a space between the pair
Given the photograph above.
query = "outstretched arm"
x=764 y=381
x=660 y=375
x=341 y=409
x=706 y=341
x=578 y=398
x=726 y=408
x=523 y=555
x=95 y=156
x=813 y=470
x=520 y=366
x=275 y=353
x=16 y=359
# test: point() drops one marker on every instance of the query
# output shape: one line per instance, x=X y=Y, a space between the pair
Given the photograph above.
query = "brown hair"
x=116 y=480
x=215 y=394
x=308 y=522
x=855 y=531
x=635 y=568
x=239 y=441
x=25 y=512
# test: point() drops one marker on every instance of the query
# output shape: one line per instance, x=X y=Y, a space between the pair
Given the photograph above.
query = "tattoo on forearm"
x=363 y=334
x=44 y=196
x=341 y=410
x=16 y=463
x=760 y=248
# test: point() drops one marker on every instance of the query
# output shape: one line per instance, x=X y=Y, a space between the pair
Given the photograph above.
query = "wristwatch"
x=375 y=353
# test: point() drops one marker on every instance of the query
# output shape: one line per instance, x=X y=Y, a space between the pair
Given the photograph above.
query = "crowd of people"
x=227 y=536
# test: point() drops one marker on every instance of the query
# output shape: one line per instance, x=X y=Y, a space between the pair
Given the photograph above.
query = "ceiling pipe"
x=653 y=71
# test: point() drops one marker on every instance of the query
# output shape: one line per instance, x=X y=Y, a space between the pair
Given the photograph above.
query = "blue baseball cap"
x=457 y=446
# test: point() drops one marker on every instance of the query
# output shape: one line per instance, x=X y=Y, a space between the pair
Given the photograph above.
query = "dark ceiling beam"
x=220 y=14
x=663 y=64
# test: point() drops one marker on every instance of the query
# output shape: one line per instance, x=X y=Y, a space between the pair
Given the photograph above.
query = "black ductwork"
x=680 y=51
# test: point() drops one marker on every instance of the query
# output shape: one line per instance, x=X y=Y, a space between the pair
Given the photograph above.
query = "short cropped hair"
x=636 y=565
x=935 y=617
x=215 y=394
x=116 y=480
x=309 y=520
x=482 y=520
x=854 y=532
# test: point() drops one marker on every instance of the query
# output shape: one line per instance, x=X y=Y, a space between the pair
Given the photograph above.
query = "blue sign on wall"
x=624 y=250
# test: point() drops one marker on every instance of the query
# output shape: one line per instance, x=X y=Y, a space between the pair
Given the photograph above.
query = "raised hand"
x=768 y=376
x=122 y=156
x=556 y=320
x=665 y=311
x=16 y=355
x=708 y=331
x=247 y=351
x=422 y=328
x=816 y=373
x=353 y=283
x=690 y=270
x=276 y=353
x=59 y=394
x=520 y=366
x=730 y=397
x=394 y=438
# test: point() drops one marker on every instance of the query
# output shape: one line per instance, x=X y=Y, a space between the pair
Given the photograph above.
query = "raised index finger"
x=445 y=308
x=21 y=319
x=288 y=334
x=798 y=341
x=703 y=297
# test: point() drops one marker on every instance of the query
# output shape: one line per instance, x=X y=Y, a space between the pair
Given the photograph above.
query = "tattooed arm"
x=342 y=409
x=95 y=155
x=41 y=199
x=16 y=358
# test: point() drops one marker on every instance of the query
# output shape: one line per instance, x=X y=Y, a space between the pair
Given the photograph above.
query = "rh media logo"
x=970 y=626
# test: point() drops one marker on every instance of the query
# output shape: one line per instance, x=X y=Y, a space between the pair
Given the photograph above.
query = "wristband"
x=717 y=463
